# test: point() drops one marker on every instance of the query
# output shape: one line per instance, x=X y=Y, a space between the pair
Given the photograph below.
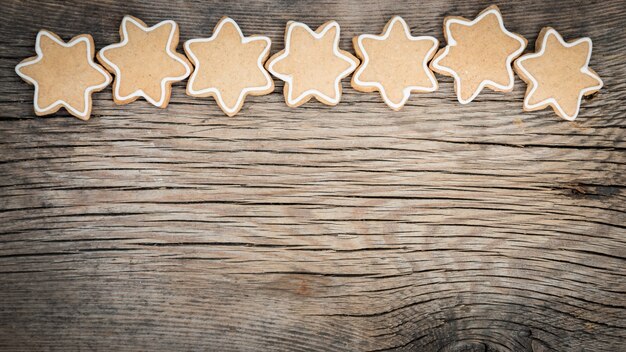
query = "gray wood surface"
x=353 y=228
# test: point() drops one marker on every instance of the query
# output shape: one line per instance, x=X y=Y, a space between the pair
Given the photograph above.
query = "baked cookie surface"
x=478 y=54
x=229 y=66
x=64 y=74
x=558 y=74
x=395 y=63
x=312 y=65
x=145 y=62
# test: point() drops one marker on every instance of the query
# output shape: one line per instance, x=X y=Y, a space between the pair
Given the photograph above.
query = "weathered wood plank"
x=437 y=228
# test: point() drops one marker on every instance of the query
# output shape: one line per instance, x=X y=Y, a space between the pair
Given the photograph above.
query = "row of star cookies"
x=229 y=66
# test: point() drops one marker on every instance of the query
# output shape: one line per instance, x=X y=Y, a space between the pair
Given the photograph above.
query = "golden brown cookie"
x=145 y=62
x=229 y=66
x=479 y=54
x=557 y=74
x=394 y=63
x=312 y=65
x=64 y=74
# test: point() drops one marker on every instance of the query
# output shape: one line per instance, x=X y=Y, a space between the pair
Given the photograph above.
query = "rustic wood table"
x=442 y=227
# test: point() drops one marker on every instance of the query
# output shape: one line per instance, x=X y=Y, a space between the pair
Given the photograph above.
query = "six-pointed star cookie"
x=394 y=63
x=479 y=54
x=145 y=62
x=558 y=74
x=229 y=66
x=64 y=74
x=312 y=65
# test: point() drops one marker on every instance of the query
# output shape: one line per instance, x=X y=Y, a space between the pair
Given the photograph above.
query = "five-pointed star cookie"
x=479 y=54
x=64 y=74
x=145 y=62
x=312 y=65
x=229 y=66
x=557 y=74
x=394 y=63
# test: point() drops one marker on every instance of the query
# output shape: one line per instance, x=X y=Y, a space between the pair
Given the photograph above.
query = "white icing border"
x=407 y=90
x=552 y=101
x=118 y=73
x=289 y=78
x=244 y=40
x=452 y=42
x=63 y=103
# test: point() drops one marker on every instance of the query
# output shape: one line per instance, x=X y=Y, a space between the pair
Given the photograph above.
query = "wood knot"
x=591 y=191
x=464 y=346
x=538 y=346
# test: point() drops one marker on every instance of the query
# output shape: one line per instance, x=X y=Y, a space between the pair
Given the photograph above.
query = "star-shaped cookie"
x=145 y=62
x=479 y=54
x=394 y=63
x=64 y=74
x=558 y=74
x=229 y=66
x=312 y=65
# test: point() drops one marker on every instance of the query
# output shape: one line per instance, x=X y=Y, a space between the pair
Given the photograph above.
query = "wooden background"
x=353 y=228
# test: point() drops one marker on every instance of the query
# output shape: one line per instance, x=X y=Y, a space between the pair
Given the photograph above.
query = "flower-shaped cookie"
x=145 y=62
x=479 y=54
x=229 y=66
x=64 y=74
x=558 y=74
x=394 y=63
x=312 y=65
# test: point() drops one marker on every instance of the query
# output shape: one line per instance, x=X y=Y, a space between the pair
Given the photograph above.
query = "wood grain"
x=441 y=227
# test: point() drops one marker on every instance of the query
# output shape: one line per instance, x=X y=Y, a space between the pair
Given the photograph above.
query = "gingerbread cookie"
x=479 y=54
x=229 y=66
x=394 y=63
x=312 y=65
x=557 y=74
x=145 y=62
x=64 y=74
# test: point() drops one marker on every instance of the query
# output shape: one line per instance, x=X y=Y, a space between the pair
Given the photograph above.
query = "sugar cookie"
x=479 y=54
x=145 y=62
x=557 y=74
x=394 y=63
x=229 y=66
x=312 y=65
x=64 y=74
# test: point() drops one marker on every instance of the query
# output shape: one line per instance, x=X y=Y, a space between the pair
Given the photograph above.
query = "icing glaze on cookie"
x=395 y=63
x=229 y=66
x=145 y=62
x=64 y=74
x=312 y=65
x=558 y=74
x=479 y=54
